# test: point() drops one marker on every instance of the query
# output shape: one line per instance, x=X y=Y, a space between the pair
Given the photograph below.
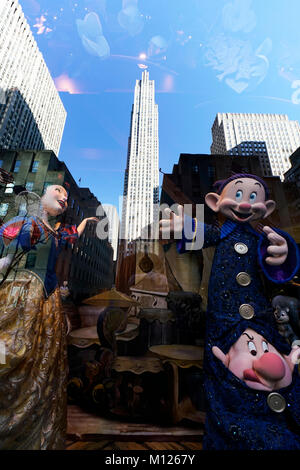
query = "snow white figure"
x=33 y=399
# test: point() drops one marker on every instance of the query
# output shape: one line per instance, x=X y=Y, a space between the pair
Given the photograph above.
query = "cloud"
x=67 y=84
x=91 y=153
x=91 y=34
x=40 y=25
x=130 y=18
x=168 y=84
x=238 y=16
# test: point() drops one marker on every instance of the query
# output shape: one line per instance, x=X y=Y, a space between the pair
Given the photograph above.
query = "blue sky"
x=205 y=57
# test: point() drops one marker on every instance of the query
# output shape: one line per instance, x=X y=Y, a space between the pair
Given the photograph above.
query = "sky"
x=240 y=56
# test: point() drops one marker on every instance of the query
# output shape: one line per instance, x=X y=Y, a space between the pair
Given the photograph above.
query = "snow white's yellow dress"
x=33 y=366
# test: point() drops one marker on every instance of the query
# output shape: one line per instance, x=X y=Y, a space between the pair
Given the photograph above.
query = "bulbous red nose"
x=270 y=366
x=244 y=206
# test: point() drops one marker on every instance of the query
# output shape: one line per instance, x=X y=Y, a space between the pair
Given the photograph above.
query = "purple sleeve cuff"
x=286 y=271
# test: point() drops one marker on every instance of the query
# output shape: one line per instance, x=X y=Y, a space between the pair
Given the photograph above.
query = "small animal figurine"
x=287 y=317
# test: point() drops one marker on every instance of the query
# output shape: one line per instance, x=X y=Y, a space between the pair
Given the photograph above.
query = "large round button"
x=246 y=311
x=276 y=402
x=243 y=279
x=241 y=248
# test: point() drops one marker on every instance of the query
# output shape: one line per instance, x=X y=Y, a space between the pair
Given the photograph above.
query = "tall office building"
x=32 y=115
x=273 y=137
x=141 y=185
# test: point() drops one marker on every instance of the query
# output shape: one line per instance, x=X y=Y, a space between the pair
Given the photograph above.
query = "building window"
x=29 y=185
x=195 y=169
x=17 y=166
x=30 y=261
x=9 y=189
x=35 y=166
x=211 y=171
x=3 y=209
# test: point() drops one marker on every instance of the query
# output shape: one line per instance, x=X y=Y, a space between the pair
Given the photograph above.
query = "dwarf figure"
x=32 y=327
x=258 y=408
x=236 y=299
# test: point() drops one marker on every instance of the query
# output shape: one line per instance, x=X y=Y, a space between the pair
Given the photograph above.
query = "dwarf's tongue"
x=249 y=374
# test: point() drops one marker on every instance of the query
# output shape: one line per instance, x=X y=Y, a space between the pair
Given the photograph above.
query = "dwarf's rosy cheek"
x=227 y=203
x=240 y=362
x=259 y=206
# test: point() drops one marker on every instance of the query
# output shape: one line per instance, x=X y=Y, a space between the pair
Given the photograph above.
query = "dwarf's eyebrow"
x=250 y=337
x=258 y=184
x=239 y=181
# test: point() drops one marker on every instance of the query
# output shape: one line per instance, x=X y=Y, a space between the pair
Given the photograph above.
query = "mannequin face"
x=241 y=200
x=54 y=201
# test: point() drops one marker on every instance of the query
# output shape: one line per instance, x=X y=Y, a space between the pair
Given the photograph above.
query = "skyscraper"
x=273 y=137
x=141 y=185
x=32 y=115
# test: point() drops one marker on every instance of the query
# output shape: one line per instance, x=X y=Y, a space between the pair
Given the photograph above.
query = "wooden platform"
x=87 y=431
x=108 y=445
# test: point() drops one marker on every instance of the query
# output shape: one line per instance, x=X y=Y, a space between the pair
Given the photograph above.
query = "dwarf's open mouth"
x=241 y=215
x=249 y=374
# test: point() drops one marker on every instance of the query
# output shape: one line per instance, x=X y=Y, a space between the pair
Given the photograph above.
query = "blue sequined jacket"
x=236 y=301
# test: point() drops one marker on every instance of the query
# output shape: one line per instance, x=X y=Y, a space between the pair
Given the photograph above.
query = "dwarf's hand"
x=278 y=248
x=82 y=225
x=172 y=224
x=294 y=357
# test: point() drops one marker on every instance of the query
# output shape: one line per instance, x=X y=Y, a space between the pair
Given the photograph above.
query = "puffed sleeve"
x=286 y=271
x=68 y=234
x=21 y=232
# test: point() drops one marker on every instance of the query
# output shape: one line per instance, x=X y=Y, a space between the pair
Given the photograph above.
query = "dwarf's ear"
x=212 y=200
x=270 y=205
x=220 y=355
